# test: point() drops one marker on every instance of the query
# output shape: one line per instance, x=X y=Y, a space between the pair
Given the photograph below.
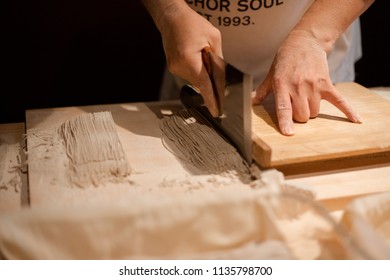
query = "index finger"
x=338 y=100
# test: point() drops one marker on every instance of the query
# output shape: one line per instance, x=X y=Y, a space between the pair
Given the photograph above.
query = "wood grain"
x=336 y=189
x=330 y=138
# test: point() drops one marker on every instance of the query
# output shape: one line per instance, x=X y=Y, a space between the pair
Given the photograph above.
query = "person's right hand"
x=185 y=34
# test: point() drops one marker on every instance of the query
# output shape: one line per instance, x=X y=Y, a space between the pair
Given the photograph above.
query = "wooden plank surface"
x=10 y=198
x=330 y=140
x=140 y=135
x=334 y=190
x=156 y=169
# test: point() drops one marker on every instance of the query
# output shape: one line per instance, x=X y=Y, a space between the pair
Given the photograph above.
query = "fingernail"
x=288 y=131
x=358 y=119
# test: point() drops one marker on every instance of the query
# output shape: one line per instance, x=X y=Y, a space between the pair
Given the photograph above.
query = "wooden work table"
x=138 y=128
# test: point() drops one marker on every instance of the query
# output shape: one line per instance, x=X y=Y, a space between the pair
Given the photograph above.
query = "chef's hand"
x=185 y=34
x=299 y=78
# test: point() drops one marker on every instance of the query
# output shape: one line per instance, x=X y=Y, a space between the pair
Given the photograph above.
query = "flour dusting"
x=10 y=166
x=87 y=146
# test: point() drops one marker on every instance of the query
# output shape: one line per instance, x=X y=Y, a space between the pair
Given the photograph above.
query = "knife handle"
x=216 y=69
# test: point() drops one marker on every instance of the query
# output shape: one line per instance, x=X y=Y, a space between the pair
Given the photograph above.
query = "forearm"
x=325 y=20
x=159 y=8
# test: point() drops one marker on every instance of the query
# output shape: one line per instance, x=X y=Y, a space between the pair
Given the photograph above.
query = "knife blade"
x=232 y=91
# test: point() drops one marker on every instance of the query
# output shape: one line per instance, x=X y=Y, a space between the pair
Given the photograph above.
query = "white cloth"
x=253 y=30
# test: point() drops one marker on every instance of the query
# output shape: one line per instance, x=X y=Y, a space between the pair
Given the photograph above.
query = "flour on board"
x=10 y=166
x=87 y=145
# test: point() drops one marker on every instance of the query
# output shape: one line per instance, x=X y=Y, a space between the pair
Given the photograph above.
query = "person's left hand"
x=299 y=78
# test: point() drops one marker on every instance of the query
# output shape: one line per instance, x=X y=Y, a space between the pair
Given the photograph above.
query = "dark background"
x=83 y=52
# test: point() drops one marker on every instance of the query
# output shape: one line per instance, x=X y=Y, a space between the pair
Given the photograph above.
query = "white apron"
x=253 y=30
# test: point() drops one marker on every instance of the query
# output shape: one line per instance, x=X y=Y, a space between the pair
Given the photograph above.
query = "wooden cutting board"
x=328 y=142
